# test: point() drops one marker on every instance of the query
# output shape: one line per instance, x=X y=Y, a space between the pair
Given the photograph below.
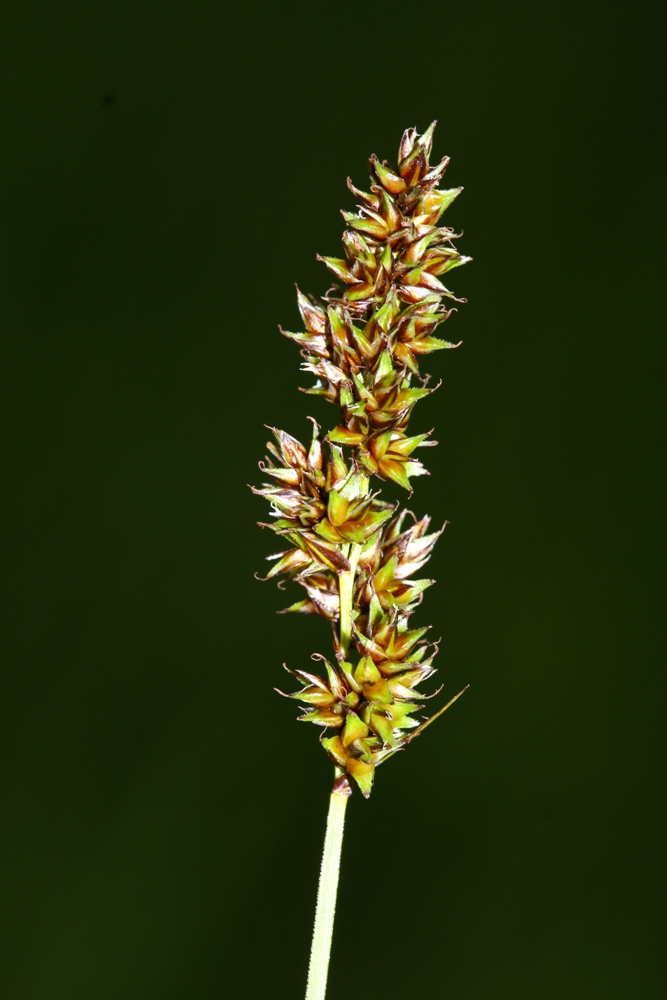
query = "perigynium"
x=359 y=557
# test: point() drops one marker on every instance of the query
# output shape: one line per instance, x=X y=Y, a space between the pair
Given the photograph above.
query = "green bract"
x=355 y=555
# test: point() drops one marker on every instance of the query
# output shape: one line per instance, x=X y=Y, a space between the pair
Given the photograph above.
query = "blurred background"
x=170 y=169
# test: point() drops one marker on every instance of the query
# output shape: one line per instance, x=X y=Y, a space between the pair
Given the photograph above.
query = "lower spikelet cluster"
x=354 y=554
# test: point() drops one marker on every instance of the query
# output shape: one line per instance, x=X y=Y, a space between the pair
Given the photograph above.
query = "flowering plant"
x=355 y=555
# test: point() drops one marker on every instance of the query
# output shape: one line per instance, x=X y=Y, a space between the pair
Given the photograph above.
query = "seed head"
x=355 y=555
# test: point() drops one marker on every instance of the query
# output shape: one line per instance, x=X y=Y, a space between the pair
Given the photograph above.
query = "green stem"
x=346 y=592
x=328 y=887
x=326 y=893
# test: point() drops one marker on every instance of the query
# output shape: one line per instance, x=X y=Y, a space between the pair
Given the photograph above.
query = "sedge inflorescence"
x=357 y=556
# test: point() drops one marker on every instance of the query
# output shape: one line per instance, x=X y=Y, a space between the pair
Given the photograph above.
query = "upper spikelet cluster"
x=351 y=551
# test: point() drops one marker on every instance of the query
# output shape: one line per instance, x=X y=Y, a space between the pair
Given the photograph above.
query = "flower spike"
x=356 y=556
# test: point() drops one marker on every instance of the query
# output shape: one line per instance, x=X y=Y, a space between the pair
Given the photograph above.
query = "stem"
x=326 y=893
x=346 y=592
x=328 y=888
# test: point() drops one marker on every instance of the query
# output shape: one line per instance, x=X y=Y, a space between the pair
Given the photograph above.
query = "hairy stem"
x=346 y=592
x=326 y=893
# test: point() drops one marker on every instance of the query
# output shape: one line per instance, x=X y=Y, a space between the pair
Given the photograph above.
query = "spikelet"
x=356 y=556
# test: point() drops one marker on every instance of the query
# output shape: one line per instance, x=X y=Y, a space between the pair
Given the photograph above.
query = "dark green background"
x=169 y=169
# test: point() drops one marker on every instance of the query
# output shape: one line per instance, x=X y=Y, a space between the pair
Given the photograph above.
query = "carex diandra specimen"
x=358 y=557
